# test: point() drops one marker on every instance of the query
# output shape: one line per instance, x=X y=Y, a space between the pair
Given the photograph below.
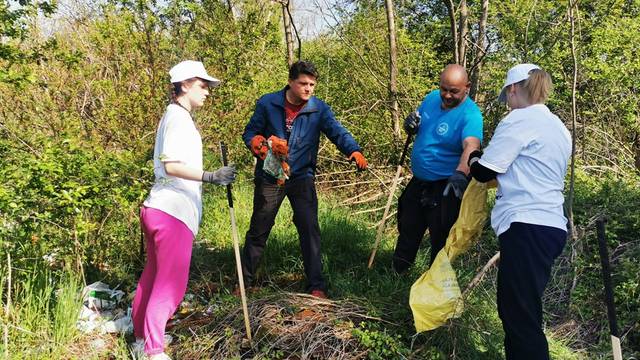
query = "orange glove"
x=259 y=146
x=279 y=146
x=361 y=162
x=285 y=168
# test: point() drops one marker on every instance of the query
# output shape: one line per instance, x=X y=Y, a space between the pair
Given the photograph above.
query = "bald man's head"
x=454 y=85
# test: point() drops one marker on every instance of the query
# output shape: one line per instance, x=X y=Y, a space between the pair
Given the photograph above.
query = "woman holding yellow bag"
x=528 y=156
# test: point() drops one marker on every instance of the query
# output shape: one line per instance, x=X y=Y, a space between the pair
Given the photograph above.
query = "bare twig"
x=369 y=210
x=478 y=278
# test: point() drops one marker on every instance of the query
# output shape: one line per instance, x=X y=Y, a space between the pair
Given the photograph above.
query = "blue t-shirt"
x=438 y=145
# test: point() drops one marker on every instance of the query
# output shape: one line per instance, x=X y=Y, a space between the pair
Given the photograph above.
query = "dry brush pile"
x=284 y=325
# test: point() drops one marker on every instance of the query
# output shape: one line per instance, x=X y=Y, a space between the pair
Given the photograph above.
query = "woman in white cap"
x=528 y=156
x=171 y=214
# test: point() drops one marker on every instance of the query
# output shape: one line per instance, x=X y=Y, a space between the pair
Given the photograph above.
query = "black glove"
x=474 y=156
x=223 y=176
x=411 y=123
x=458 y=183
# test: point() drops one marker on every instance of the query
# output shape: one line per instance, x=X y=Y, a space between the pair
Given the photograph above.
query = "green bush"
x=72 y=203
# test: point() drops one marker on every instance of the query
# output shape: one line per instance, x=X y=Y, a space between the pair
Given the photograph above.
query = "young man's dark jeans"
x=527 y=253
x=423 y=206
x=267 y=199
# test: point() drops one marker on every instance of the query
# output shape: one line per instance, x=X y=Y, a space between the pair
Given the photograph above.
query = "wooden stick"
x=236 y=248
x=347 y=201
x=381 y=220
x=370 y=198
x=480 y=275
x=394 y=185
x=608 y=290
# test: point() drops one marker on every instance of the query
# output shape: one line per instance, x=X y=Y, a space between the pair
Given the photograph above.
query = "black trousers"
x=527 y=253
x=267 y=199
x=420 y=207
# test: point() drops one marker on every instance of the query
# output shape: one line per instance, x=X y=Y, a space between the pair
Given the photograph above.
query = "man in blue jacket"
x=293 y=119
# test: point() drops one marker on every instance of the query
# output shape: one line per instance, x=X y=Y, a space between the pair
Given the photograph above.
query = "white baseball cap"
x=189 y=69
x=515 y=75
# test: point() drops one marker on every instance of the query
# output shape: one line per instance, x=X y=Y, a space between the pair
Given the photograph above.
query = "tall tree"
x=572 y=9
x=480 y=49
x=393 y=68
x=451 y=9
x=288 y=36
x=464 y=31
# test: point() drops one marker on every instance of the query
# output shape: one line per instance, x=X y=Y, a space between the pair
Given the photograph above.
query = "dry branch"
x=478 y=278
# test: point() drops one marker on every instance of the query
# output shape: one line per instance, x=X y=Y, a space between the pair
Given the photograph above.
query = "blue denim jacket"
x=315 y=117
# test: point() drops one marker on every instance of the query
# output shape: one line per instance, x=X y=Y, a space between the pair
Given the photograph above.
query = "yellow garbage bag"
x=435 y=297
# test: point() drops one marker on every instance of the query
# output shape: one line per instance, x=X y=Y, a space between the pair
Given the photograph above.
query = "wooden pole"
x=236 y=248
x=608 y=290
x=389 y=200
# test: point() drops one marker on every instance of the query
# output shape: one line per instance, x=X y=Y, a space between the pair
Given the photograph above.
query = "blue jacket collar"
x=311 y=106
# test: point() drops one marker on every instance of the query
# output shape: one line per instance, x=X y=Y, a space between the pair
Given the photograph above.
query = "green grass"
x=43 y=317
x=41 y=322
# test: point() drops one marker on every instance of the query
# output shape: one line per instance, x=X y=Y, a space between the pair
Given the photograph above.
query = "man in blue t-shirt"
x=448 y=125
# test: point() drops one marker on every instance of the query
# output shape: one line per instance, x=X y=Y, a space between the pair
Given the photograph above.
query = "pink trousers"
x=164 y=280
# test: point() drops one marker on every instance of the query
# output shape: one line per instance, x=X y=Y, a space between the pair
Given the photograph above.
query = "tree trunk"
x=393 y=69
x=454 y=29
x=480 y=49
x=287 y=31
x=463 y=28
x=574 y=116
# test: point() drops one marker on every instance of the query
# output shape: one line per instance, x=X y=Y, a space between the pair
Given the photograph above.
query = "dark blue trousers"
x=527 y=253
x=267 y=198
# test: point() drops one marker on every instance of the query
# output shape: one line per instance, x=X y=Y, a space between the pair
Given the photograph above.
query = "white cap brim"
x=213 y=82
x=516 y=74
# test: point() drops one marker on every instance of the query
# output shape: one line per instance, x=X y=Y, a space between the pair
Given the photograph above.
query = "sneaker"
x=318 y=293
x=161 y=356
x=137 y=348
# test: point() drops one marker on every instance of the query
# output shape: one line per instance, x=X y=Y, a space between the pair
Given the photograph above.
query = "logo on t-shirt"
x=442 y=128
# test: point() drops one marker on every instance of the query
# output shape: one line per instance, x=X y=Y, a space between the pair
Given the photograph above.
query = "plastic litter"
x=275 y=166
x=100 y=297
x=99 y=313
x=435 y=297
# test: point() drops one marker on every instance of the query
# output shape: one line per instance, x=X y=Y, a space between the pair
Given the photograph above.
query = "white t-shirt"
x=177 y=139
x=529 y=150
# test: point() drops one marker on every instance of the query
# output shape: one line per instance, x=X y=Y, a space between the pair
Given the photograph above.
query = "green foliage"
x=619 y=201
x=68 y=202
x=381 y=345
x=14 y=30
x=79 y=108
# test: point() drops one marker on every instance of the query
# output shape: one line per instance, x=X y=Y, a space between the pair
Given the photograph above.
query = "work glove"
x=458 y=183
x=474 y=156
x=411 y=123
x=279 y=146
x=259 y=146
x=360 y=160
x=223 y=176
